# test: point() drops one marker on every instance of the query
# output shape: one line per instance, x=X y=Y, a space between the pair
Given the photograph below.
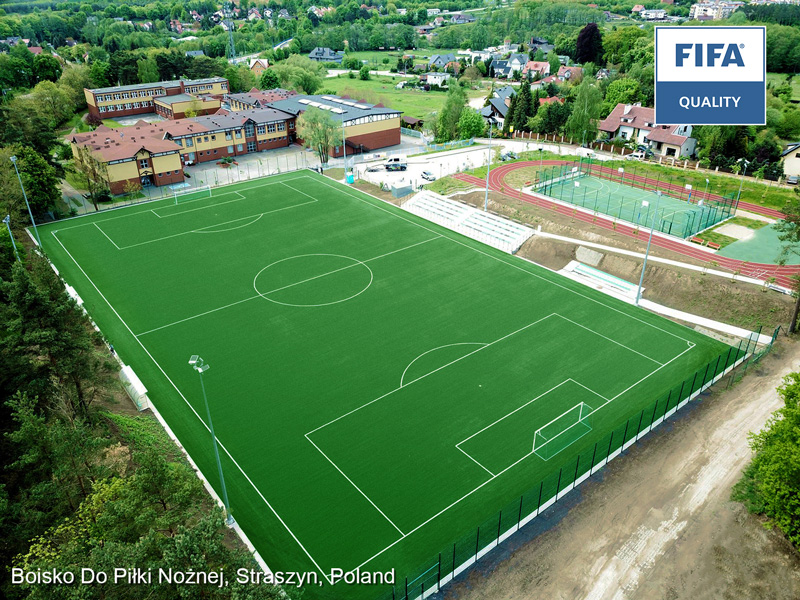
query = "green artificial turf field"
x=377 y=382
x=623 y=201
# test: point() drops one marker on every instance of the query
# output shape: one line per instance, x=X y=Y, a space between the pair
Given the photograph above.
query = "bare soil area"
x=658 y=523
x=741 y=304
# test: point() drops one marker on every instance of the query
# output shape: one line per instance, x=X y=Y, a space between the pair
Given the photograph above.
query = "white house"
x=439 y=79
x=637 y=122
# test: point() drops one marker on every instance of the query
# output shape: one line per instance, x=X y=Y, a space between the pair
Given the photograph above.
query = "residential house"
x=462 y=19
x=637 y=9
x=791 y=159
x=284 y=14
x=505 y=92
x=402 y=11
x=715 y=10
x=438 y=22
x=35 y=50
x=550 y=100
x=653 y=14
x=425 y=30
x=432 y=12
x=570 y=73
x=637 y=123
x=194 y=53
x=176 y=26
x=601 y=74
x=501 y=69
x=543 y=82
x=254 y=14
x=439 y=79
x=517 y=62
x=536 y=69
x=258 y=66
x=326 y=55
x=440 y=61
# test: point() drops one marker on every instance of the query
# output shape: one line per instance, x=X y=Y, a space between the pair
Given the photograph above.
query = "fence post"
x=594 y=454
x=610 y=441
x=539 y=503
x=575 y=478
x=439 y=574
x=666 y=408
x=625 y=434
x=454 y=561
x=638 y=427
x=477 y=541
x=499 y=521
x=558 y=485
x=519 y=516
x=653 y=418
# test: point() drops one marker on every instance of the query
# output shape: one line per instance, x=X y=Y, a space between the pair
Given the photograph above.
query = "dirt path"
x=660 y=525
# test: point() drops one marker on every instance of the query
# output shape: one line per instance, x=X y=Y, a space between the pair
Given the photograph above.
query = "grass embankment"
x=713 y=236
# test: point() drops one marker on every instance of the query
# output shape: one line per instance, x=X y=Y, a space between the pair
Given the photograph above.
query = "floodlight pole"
x=344 y=148
x=705 y=194
x=647 y=252
x=488 y=168
x=741 y=181
x=25 y=195
x=199 y=365
x=7 y=221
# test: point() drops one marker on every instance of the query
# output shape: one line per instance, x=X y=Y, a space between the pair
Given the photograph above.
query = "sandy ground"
x=658 y=524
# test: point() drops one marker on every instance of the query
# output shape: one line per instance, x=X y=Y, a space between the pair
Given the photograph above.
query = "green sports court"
x=614 y=196
x=379 y=385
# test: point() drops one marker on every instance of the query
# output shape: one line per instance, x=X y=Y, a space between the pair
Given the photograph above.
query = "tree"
x=550 y=118
x=771 y=483
x=446 y=125
x=472 y=74
x=39 y=178
x=363 y=73
x=73 y=81
x=318 y=131
x=589 y=46
x=582 y=123
x=269 y=81
x=100 y=72
x=555 y=63
x=470 y=124
x=94 y=171
x=194 y=108
x=620 y=91
x=524 y=109
x=52 y=101
x=147 y=70
x=508 y=121
x=46 y=68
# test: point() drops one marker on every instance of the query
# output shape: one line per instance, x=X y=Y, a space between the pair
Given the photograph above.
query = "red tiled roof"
x=575 y=72
x=639 y=115
x=665 y=134
x=550 y=100
x=540 y=66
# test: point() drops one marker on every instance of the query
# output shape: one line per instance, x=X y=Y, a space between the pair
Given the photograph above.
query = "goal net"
x=191 y=193
x=564 y=430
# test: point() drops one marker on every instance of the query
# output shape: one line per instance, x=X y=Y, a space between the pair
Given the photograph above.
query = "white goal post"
x=564 y=430
x=203 y=190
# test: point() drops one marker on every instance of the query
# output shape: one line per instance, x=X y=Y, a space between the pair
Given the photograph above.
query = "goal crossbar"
x=564 y=430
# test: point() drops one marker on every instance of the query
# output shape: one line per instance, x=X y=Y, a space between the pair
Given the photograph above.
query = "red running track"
x=782 y=274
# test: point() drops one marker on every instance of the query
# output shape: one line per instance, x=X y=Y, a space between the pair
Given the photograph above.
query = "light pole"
x=199 y=365
x=647 y=252
x=7 y=221
x=621 y=175
x=741 y=180
x=24 y=195
x=488 y=168
x=541 y=157
x=705 y=194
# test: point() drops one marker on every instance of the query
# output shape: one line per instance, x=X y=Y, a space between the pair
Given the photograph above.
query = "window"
x=228 y=135
x=238 y=133
x=281 y=126
x=251 y=146
x=205 y=139
x=179 y=142
x=215 y=151
x=116 y=96
x=189 y=142
x=213 y=138
x=271 y=127
x=102 y=109
x=262 y=129
x=230 y=149
x=249 y=131
x=239 y=147
x=125 y=95
x=291 y=124
x=143 y=163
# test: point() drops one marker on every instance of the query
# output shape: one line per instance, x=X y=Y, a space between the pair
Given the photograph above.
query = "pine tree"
x=508 y=122
x=523 y=109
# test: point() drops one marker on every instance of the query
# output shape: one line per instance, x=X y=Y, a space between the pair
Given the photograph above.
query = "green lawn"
x=382 y=89
x=381 y=387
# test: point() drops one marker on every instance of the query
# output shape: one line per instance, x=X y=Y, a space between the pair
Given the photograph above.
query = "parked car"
x=508 y=156
x=428 y=176
x=792 y=180
x=646 y=150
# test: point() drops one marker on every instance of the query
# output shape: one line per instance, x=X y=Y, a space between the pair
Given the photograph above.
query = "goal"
x=191 y=193
x=564 y=430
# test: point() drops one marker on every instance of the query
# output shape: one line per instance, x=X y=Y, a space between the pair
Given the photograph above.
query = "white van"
x=396 y=163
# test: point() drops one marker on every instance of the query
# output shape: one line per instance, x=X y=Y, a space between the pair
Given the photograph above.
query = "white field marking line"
x=613 y=341
x=508 y=335
x=475 y=460
x=246 y=476
x=375 y=506
x=458 y=445
x=200 y=229
x=108 y=238
x=202 y=314
x=146 y=210
x=215 y=205
x=229 y=228
x=511 y=466
x=504 y=261
x=588 y=389
x=402 y=377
